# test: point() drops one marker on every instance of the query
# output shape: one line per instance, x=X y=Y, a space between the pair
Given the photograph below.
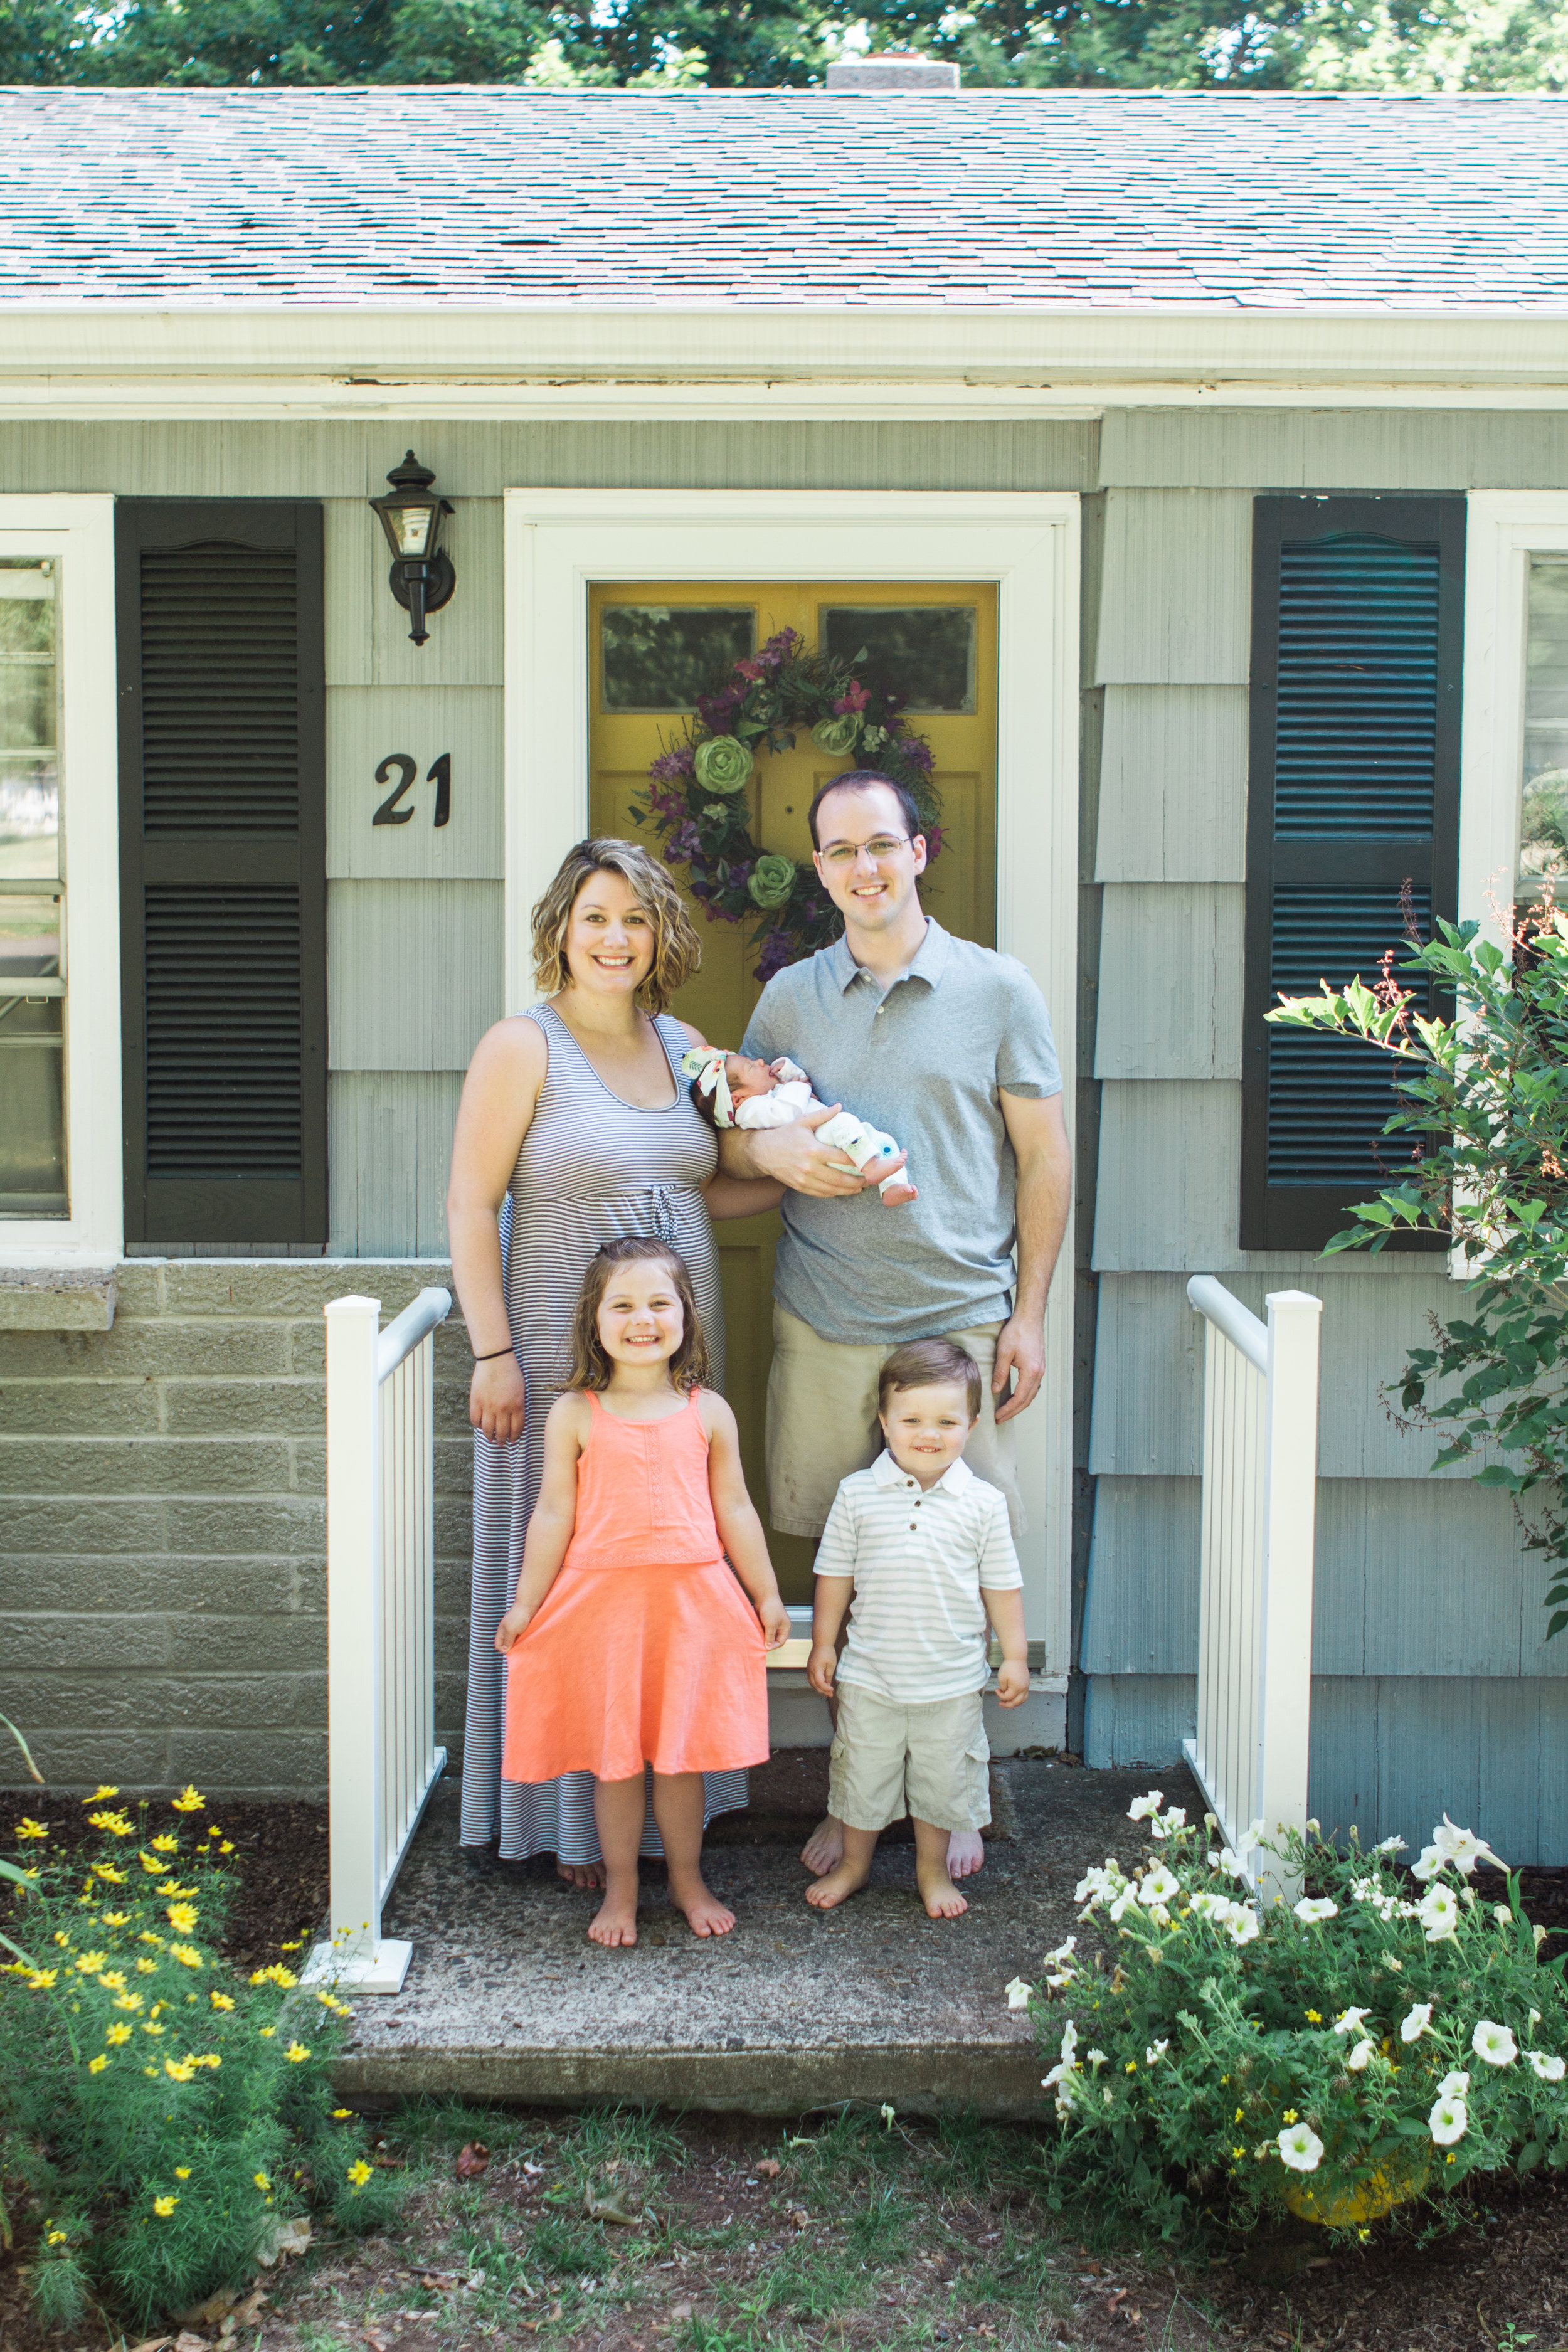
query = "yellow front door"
x=654 y=647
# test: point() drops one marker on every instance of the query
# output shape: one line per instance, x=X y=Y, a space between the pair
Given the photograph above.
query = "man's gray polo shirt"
x=927 y=1064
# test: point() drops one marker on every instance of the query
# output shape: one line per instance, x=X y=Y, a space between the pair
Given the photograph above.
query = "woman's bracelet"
x=493 y=1354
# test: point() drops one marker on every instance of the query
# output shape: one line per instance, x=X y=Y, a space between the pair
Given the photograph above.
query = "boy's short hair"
x=930 y=1364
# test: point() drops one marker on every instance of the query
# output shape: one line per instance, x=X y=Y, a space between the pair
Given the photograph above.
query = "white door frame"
x=558 y=543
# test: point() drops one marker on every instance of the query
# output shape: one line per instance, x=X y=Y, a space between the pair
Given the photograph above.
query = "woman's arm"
x=554 y=1516
x=497 y=1109
x=740 y=1528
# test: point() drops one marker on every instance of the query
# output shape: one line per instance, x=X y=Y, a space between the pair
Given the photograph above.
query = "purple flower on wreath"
x=854 y=697
x=669 y=765
x=918 y=752
x=776 y=952
x=933 y=842
x=716 y=710
x=684 y=845
x=779 y=648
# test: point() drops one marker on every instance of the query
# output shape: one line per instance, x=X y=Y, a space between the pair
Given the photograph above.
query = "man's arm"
x=1036 y=1129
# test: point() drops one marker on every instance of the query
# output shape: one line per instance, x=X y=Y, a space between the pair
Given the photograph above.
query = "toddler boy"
x=918 y=1549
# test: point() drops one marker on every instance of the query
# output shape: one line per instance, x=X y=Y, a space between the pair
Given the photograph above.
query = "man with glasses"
x=947 y=1045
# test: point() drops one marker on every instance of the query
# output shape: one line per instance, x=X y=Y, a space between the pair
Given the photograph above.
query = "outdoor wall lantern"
x=422 y=577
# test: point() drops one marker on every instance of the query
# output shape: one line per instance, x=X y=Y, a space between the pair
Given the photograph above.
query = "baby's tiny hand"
x=776 y=1626
x=821 y=1666
x=1012 y=1683
x=513 y=1624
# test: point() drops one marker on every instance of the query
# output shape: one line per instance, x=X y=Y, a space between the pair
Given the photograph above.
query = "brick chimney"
x=905 y=72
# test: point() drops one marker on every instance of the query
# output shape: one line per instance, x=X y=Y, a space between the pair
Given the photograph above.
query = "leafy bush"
x=1485 y=1099
x=1331 y=2057
x=161 y=2115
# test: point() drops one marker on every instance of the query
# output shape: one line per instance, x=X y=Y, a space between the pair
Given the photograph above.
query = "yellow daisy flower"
x=115 y=1822
x=132 y=2000
x=182 y=2172
x=261 y=2181
x=189 y=1800
x=167 y=1843
x=96 y=2066
x=297 y=2053
x=117 y=2034
x=117 y=1918
x=359 y=2174
x=220 y=2000
x=56 y=2238
x=28 y=1828
x=178 y=2070
x=187 y=1956
x=99 y=1795
x=165 y=2206
x=112 y=1981
x=42 y=1978
x=182 y=1917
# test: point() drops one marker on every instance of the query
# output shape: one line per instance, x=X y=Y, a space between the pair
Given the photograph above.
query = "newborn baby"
x=734 y=1090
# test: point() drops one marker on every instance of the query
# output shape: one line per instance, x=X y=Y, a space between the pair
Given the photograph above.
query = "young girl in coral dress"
x=630 y=1641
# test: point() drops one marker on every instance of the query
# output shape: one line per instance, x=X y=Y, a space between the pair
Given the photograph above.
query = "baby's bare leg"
x=851 y=1873
x=938 y=1893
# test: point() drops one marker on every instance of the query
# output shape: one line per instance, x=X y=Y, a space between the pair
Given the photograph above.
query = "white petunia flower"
x=1438 y=1912
x=1462 y=1848
x=1069 y=2043
x=1159 y=1884
x=1225 y=1858
x=1242 y=1924
x=1352 y=2019
x=1535 y=2017
x=1315 y=1907
x=1427 y=1862
x=1059 y=1979
x=1155 y=2052
x=1126 y=1901
x=1389 y=1845
x=1357 y=2061
x=1547 y=2066
x=1414 y=2024
x=1097 y=2059
x=1063 y=1952
x=1099 y=1883
x=1448 y=2121
x=1502 y=1914
x=1160 y=1916
x=1495 y=2044
x=1205 y=1906
x=1018 y=1993
x=1454 y=2084
x=1162 y=1825
x=1299 y=2148
x=1142 y=1808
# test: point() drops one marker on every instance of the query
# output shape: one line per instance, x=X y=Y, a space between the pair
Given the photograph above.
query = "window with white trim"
x=59 y=964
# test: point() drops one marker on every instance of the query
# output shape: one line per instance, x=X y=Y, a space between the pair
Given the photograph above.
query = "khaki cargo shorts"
x=887 y=1759
x=822 y=1422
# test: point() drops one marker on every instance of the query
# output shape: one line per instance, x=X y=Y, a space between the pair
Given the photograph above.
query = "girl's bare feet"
x=938 y=1893
x=616 y=1920
x=586 y=1876
x=838 y=1884
x=705 y=1914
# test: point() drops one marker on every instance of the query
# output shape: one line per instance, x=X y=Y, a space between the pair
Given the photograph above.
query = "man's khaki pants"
x=822 y=1421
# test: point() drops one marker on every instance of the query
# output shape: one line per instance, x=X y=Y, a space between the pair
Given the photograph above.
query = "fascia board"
x=566 y=343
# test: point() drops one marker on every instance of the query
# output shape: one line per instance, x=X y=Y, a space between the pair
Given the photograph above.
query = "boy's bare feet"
x=966 y=1854
x=586 y=1876
x=824 y=1849
x=705 y=1914
x=616 y=1920
x=838 y=1884
x=899 y=1196
x=938 y=1893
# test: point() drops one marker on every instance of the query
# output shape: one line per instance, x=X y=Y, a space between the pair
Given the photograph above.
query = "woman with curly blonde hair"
x=576 y=1127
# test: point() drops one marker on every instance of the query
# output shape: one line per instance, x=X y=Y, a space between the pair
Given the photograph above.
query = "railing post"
x=1289 y=1512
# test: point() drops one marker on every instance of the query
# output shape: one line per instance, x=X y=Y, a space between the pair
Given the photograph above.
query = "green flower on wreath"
x=836 y=735
x=723 y=764
x=772 y=879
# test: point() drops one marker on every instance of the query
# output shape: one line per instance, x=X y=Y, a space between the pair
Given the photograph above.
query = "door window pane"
x=1543 y=811
x=32 y=966
x=662 y=657
x=924 y=652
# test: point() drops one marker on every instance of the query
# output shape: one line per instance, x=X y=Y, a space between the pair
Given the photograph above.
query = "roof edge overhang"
x=84 y=357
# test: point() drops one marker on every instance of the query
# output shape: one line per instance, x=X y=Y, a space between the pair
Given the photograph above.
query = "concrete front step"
x=796 y=2009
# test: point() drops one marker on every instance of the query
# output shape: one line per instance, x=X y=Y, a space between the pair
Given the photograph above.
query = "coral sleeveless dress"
x=644 y=1650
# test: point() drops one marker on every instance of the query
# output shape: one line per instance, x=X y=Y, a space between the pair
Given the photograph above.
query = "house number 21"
x=400 y=765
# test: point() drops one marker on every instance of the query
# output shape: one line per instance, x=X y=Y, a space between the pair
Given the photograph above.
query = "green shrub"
x=1330 y=2057
x=161 y=2115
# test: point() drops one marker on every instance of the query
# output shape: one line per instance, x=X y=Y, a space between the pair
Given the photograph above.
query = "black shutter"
x=223 y=870
x=1352 y=816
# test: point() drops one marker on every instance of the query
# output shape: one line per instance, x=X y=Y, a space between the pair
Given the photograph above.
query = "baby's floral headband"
x=704 y=1065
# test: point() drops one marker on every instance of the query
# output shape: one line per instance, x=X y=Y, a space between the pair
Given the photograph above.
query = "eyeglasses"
x=843 y=854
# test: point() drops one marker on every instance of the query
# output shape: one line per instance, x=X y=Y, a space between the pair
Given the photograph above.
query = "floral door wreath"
x=696 y=790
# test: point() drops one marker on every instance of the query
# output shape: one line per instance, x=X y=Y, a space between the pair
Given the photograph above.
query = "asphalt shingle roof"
x=506 y=195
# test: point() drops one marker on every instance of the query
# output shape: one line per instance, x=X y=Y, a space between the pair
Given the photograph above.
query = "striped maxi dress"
x=591 y=1169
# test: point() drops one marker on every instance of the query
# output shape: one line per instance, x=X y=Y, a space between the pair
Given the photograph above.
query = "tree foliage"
x=1486 y=1096
x=1338 y=44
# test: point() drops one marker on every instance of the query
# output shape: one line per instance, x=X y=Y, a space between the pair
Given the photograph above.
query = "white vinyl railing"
x=383 y=1761
x=1255 y=1637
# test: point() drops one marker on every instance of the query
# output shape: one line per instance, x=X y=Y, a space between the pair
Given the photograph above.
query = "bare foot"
x=938 y=1893
x=899 y=1196
x=586 y=1876
x=705 y=1914
x=824 y=1849
x=839 y=1885
x=616 y=1920
x=966 y=1854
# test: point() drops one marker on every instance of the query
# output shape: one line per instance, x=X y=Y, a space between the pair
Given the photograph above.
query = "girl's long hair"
x=588 y=1366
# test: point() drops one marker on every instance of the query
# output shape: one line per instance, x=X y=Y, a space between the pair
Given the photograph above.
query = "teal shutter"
x=223 y=870
x=1353 y=826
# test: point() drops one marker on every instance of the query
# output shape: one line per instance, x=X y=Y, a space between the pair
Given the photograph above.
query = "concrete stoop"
x=793 y=2011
